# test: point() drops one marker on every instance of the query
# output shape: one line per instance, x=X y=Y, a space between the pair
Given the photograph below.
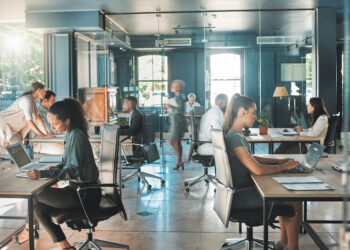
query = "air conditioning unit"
x=278 y=39
x=174 y=42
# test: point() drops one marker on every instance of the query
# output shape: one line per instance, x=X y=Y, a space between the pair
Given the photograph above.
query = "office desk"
x=92 y=138
x=14 y=187
x=274 y=136
x=272 y=191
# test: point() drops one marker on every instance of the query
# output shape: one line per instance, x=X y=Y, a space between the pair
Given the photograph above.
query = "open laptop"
x=198 y=110
x=310 y=160
x=22 y=160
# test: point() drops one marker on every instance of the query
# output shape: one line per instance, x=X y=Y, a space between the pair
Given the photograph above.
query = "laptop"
x=198 y=110
x=22 y=160
x=310 y=160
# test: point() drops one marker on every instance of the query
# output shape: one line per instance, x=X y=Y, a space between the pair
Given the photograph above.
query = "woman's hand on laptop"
x=285 y=160
x=291 y=164
x=298 y=129
x=33 y=174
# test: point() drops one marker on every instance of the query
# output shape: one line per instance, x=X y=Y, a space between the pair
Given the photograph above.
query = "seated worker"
x=191 y=103
x=318 y=128
x=213 y=118
x=241 y=112
x=78 y=166
x=42 y=108
x=134 y=130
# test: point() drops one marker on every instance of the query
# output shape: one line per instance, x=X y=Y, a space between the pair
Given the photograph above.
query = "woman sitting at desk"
x=17 y=120
x=318 y=128
x=191 y=103
x=241 y=113
x=78 y=165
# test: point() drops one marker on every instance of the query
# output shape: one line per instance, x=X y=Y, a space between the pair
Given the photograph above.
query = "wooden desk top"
x=10 y=185
x=93 y=139
x=269 y=188
x=274 y=136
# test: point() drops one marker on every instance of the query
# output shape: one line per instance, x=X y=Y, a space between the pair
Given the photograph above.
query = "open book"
x=303 y=183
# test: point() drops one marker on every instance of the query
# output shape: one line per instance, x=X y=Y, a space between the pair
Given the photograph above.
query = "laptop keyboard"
x=34 y=166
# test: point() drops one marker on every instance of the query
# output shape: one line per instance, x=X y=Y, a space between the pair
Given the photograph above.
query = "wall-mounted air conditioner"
x=174 y=42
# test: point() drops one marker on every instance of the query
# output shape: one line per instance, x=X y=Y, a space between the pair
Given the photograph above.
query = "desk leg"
x=305 y=216
x=270 y=147
x=161 y=130
x=252 y=146
x=266 y=223
x=30 y=223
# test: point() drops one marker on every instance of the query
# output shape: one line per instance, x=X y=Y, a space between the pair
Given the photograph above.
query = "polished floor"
x=169 y=218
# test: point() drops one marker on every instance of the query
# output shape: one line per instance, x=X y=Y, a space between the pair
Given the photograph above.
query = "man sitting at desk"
x=213 y=118
x=42 y=109
x=134 y=130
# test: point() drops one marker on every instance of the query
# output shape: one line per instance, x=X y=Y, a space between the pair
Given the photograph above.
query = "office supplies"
x=288 y=133
x=302 y=183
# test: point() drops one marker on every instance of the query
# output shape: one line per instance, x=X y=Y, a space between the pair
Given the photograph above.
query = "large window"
x=21 y=61
x=308 y=77
x=152 y=79
x=225 y=75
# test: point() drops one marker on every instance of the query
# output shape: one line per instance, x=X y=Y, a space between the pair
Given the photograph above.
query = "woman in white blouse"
x=318 y=127
x=17 y=120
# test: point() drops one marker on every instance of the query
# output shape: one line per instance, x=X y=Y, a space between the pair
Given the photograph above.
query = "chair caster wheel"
x=215 y=190
x=163 y=182
x=123 y=186
x=185 y=184
x=149 y=187
x=224 y=245
x=187 y=189
x=206 y=181
x=138 y=179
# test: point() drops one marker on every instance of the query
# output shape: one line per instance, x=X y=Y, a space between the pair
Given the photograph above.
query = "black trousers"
x=52 y=199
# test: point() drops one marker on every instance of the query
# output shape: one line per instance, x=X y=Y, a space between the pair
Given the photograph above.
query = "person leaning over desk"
x=17 y=120
x=240 y=113
x=78 y=166
x=318 y=128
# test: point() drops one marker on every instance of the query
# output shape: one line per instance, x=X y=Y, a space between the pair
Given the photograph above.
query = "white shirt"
x=213 y=118
x=319 y=129
x=188 y=108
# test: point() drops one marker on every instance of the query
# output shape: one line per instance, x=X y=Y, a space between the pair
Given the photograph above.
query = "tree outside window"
x=152 y=79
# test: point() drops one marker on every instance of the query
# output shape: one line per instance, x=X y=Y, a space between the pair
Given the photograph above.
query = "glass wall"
x=21 y=61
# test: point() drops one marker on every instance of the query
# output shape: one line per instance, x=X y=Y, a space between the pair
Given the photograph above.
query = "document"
x=303 y=183
x=172 y=102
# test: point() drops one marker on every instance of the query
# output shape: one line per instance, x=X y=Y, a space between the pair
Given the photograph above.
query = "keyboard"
x=297 y=170
x=37 y=166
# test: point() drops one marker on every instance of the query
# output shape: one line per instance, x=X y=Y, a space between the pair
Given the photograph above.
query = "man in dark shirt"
x=134 y=130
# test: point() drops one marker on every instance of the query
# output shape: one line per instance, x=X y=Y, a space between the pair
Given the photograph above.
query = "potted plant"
x=265 y=124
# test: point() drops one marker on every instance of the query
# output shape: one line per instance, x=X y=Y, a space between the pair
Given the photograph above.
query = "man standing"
x=213 y=118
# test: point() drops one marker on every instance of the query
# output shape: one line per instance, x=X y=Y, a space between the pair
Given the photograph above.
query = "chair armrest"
x=132 y=143
x=93 y=186
x=124 y=139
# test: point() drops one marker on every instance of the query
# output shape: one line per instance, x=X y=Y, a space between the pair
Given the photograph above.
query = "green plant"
x=265 y=123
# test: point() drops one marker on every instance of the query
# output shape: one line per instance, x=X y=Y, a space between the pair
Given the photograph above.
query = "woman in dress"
x=241 y=112
x=17 y=120
x=78 y=166
x=318 y=128
x=177 y=120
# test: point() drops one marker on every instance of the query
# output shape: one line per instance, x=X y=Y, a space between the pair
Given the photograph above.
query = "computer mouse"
x=285 y=130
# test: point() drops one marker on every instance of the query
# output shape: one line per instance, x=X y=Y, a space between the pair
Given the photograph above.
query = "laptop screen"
x=313 y=155
x=18 y=154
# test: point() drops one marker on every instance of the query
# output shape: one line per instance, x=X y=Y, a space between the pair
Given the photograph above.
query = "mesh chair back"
x=194 y=134
x=331 y=134
x=151 y=153
x=224 y=190
x=149 y=128
x=109 y=158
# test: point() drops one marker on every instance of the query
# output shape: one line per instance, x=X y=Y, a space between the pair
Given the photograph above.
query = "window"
x=152 y=79
x=225 y=75
x=308 y=66
x=21 y=61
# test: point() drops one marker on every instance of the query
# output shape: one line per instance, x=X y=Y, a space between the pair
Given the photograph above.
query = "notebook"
x=307 y=183
x=198 y=110
x=288 y=133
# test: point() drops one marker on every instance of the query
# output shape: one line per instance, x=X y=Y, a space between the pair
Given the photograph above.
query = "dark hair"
x=73 y=110
x=319 y=109
x=34 y=87
x=133 y=100
x=237 y=101
x=48 y=94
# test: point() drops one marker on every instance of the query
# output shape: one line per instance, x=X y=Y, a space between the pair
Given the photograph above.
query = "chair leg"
x=103 y=243
x=130 y=176
x=85 y=246
x=190 y=182
x=151 y=175
x=211 y=178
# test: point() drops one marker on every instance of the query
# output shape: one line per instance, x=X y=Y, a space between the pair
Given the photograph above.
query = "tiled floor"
x=169 y=218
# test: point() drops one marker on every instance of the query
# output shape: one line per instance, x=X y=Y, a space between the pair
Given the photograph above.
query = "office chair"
x=331 y=137
x=149 y=151
x=205 y=160
x=111 y=203
x=226 y=193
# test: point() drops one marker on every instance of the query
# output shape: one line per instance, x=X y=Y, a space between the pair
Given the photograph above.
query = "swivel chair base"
x=141 y=176
x=206 y=177
x=91 y=243
x=244 y=243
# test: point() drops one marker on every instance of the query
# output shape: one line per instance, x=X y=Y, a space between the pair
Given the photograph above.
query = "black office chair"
x=226 y=193
x=111 y=203
x=206 y=161
x=149 y=151
x=331 y=137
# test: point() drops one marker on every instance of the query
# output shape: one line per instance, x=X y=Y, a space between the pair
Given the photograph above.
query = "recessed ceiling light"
x=111 y=43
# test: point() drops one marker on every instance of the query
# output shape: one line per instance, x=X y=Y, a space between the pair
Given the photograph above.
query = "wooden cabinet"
x=100 y=104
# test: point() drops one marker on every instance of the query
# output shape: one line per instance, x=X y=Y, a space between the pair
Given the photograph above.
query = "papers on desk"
x=307 y=183
x=172 y=102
